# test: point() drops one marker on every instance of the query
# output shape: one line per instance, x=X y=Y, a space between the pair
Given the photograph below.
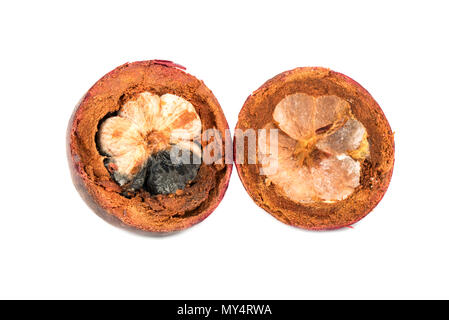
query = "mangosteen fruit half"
x=314 y=149
x=136 y=145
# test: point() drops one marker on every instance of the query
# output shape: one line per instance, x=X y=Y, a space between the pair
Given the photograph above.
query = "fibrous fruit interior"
x=139 y=140
x=320 y=148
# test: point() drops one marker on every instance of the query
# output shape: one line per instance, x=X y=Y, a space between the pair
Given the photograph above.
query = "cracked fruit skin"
x=92 y=169
x=373 y=153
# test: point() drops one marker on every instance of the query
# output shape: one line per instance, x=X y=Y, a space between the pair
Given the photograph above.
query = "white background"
x=53 y=246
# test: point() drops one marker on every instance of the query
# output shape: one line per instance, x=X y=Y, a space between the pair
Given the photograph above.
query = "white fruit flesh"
x=310 y=123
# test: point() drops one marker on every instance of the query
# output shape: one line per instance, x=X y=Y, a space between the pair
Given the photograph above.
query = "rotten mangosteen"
x=136 y=147
x=323 y=150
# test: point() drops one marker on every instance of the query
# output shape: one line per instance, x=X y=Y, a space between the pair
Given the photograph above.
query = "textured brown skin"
x=144 y=214
x=376 y=170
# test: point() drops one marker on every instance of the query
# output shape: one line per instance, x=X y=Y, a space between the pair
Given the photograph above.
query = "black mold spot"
x=165 y=176
x=161 y=175
x=139 y=179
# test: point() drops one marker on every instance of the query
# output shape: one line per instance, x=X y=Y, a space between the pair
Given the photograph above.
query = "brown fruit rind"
x=161 y=213
x=376 y=171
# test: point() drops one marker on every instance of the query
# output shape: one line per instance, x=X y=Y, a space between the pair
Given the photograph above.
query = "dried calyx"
x=320 y=148
x=147 y=142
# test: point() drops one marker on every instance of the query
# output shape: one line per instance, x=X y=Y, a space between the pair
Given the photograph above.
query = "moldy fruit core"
x=140 y=138
x=335 y=150
x=121 y=139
